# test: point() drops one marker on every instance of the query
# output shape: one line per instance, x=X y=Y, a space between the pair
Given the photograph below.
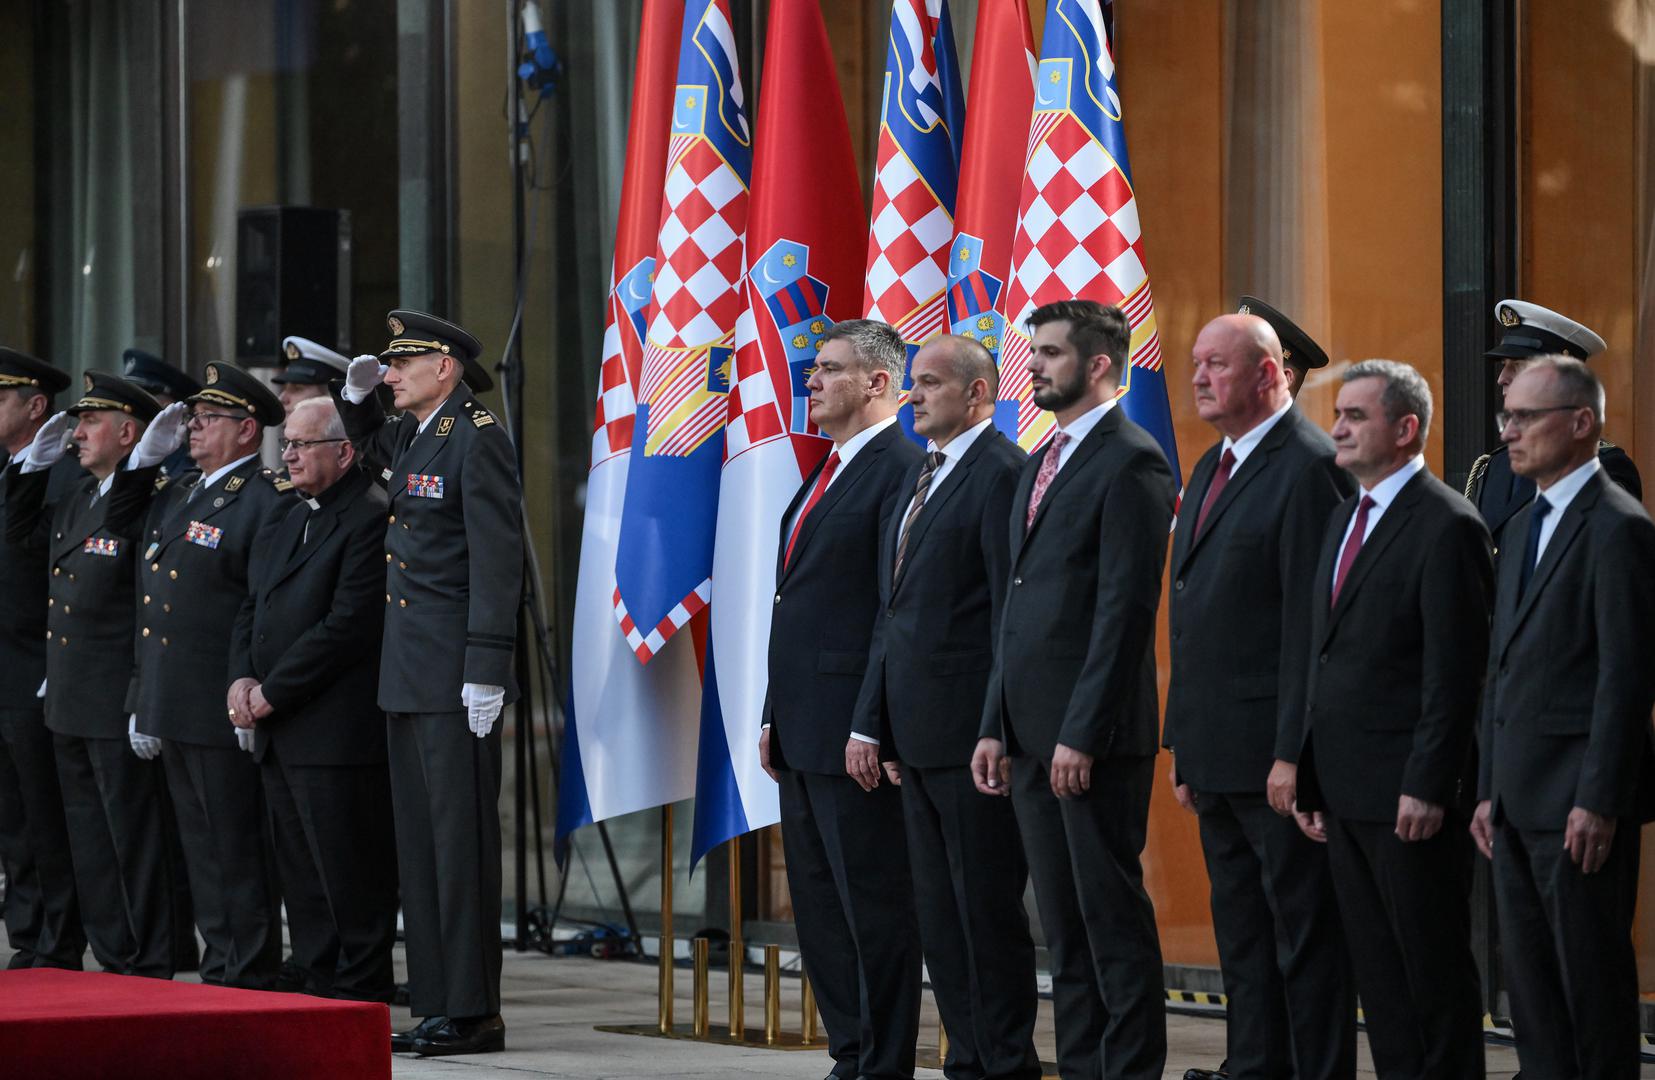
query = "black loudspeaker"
x=292 y=277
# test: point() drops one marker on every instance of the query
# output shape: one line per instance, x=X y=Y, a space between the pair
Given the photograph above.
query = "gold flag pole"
x=664 y=992
x=738 y=949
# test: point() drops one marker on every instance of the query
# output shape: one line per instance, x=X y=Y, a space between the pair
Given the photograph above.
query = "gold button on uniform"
x=56 y=570
x=402 y=566
x=387 y=556
x=154 y=567
x=167 y=608
x=146 y=631
x=387 y=598
x=393 y=519
x=66 y=609
x=163 y=641
x=173 y=574
x=61 y=640
x=402 y=603
x=146 y=598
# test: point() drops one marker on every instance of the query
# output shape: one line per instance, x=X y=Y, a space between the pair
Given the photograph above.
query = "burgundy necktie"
x=822 y=480
x=1352 y=546
x=1043 y=478
x=1220 y=478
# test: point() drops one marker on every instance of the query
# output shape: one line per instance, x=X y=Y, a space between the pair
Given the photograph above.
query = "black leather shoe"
x=1208 y=1074
x=402 y=1042
x=478 y=1035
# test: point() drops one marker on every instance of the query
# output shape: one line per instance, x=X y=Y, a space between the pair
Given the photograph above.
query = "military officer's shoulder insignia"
x=444 y=426
x=161 y=482
x=482 y=418
x=235 y=482
x=282 y=484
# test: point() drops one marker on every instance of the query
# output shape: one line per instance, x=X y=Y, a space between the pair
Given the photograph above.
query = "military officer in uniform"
x=166 y=384
x=454 y=577
x=319 y=737
x=113 y=790
x=198 y=539
x=41 y=914
x=1530 y=331
x=310 y=368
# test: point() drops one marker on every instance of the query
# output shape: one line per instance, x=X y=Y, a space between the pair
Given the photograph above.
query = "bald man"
x=1248 y=534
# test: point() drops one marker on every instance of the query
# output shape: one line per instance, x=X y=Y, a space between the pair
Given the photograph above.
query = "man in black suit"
x=847 y=865
x=1498 y=490
x=942 y=577
x=1567 y=773
x=1398 y=638
x=41 y=913
x=199 y=539
x=113 y=791
x=313 y=602
x=1072 y=695
x=1248 y=533
x=453 y=586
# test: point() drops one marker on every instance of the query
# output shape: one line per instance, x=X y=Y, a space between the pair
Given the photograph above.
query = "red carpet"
x=84 y=1024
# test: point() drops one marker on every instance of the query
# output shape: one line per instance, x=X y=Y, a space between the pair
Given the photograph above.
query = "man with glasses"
x=113 y=791
x=453 y=582
x=318 y=735
x=192 y=581
x=1498 y=491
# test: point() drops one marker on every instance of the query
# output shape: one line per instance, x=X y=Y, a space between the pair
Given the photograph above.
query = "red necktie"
x=1043 y=478
x=826 y=475
x=1352 y=546
x=1220 y=478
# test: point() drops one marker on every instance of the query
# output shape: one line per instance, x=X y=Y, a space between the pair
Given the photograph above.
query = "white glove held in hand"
x=165 y=434
x=147 y=747
x=244 y=739
x=365 y=373
x=482 y=706
x=49 y=443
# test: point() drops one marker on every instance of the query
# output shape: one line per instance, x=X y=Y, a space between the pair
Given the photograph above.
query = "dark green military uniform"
x=41 y=915
x=192 y=580
x=454 y=577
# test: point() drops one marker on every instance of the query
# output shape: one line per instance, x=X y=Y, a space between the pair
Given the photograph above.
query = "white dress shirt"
x=1560 y=495
x=1245 y=445
x=1383 y=495
x=1081 y=427
x=951 y=454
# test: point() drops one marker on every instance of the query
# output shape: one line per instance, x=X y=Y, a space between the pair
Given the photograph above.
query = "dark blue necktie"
x=1531 y=555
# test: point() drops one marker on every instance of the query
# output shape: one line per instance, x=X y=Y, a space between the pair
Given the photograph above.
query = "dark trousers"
x=969 y=876
x=1570 y=968
x=853 y=907
x=115 y=809
x=219 y=805
x=1292 y=1001
x=335 y=849
x=1107 y=988
x=42 y=913
x=445 y=786
x=1407 y=909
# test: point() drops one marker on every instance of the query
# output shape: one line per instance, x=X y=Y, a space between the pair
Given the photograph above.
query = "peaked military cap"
x=1297 y=347
x=111 y=393
x=21 y=369
x=310 y=364
x=156 y=375
x=415 y=332
x=1531 y=330
x=231 y=386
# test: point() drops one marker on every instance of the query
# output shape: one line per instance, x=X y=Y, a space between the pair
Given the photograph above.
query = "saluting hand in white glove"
x=364 y=373
x=164 y=435
x=49 y=444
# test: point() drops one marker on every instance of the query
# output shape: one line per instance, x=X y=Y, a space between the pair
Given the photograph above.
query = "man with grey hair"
x=1567 y=772
x=1399 y=611
x=847 y=865
x=298 y=687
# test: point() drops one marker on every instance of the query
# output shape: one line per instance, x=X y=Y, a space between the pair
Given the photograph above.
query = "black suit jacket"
x=89 y=559
x=23 y=579
x=454 y=576
x=192 y=580
x=309 y=629
x=1235 y=704
x=1074 y=661
x=933 y=638
x=826 y=601
x=1396 y=666
x=1499 y=493
x=1571 y=674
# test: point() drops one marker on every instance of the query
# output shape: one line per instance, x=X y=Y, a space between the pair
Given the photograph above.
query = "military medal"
x=98 y=545
x=149 y=552
x=204 y=535
x=424 y=486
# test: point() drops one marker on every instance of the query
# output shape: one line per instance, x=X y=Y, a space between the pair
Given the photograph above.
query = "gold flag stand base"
x=719 y=1036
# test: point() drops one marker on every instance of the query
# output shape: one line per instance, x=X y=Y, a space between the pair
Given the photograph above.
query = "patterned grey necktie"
x=933 y=462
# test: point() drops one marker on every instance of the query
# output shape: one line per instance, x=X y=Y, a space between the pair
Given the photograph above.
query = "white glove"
x=147 y=747
x=41 y=693
x=244 y=739
x=49 y=443
x=482 y=706
x=164 y=435
x=365 y=373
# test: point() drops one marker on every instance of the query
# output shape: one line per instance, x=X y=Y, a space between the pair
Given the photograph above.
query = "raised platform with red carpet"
x=86 y=1024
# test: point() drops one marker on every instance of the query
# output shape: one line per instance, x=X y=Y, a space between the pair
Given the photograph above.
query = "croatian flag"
x=629 y=733
x=985 y=218
x=665 y=557
x=1078 y=234
x=804 y=236
x=922 y=114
